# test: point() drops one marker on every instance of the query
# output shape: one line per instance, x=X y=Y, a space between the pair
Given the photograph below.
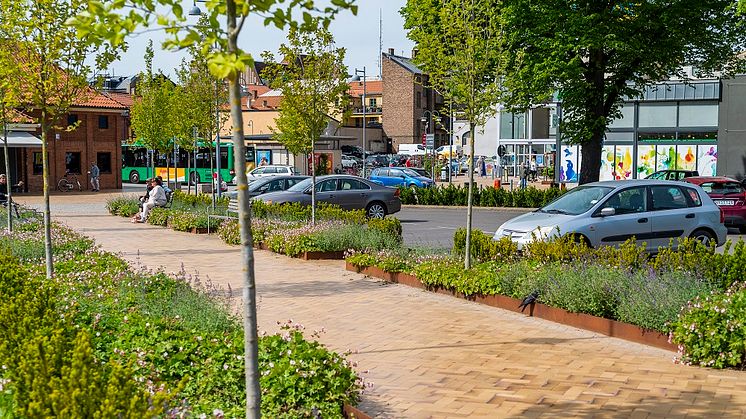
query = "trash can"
x=444 y=174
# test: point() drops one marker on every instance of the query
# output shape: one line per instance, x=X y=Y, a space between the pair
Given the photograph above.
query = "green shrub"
x=487 y=197
x=181 y=220
x=182 y=200
x=391 y=226
x=483 y=247
x=229 y=233
x=125 y=206
x=354 y=237
x=159 y=216
x=711 y=331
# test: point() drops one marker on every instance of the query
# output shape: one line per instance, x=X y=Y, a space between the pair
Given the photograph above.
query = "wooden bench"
x=232 y=209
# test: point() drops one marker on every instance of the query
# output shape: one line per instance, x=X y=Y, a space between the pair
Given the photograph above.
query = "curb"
x=458 y=207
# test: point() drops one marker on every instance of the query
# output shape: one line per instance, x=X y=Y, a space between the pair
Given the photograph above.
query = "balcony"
x=370 y=110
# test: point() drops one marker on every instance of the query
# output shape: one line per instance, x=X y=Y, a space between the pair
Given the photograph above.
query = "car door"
x=396 y=177
x=631 y=218
x=326 y=191
x=671 y=215
x=352 y=194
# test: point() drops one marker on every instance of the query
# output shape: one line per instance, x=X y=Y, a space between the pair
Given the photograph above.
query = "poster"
x=263 y=157
x=685 y=157
x=623 y=162
x=665 y=157
x=569 y=167
x=607 y=163
x=707 y=158
x=324 y=163
x=645 y=161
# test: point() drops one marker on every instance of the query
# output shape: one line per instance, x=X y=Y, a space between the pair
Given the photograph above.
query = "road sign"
x=430 y=141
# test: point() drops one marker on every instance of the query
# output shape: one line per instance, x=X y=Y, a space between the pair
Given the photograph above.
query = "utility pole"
x=365 y=148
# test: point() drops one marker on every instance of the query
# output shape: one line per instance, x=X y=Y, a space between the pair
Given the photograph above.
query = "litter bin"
x=444 y=174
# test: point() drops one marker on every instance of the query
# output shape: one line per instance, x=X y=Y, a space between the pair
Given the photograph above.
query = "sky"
x=357 y=34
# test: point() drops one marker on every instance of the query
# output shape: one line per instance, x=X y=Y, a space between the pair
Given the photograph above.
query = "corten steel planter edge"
x=336 y=255
x=608 y=327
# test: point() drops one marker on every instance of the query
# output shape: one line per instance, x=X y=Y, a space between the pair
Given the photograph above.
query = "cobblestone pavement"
x=431 y=355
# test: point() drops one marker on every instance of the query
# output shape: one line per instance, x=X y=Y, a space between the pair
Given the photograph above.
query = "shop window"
x=72 y=163
x=103 y=161
x=103 y=122
x=37 y=164
x=653 y=115
x=72 y=119
x=698 y=115
x=627 y=118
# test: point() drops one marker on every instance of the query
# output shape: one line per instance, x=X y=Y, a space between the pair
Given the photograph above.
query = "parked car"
x=412 y=149
x=377 y=160
x=349 y=192
x=445 y=150
x=350 y=161
x=400 y=176
x=673 y=174
x=269 y=184
x=352 y=150
x=422 y=172
x=609 y=213
x=271 y=170
x=729 y=194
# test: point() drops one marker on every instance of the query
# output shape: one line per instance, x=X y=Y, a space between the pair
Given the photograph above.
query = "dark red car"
x=729 y=194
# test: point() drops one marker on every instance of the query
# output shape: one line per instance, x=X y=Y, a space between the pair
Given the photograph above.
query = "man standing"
x=94 y=172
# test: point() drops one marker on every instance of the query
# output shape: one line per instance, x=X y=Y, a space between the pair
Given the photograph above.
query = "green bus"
x=140 y=163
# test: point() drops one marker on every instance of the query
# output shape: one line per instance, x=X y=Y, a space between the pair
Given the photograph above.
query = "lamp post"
x=429 y=125
x=358 y=72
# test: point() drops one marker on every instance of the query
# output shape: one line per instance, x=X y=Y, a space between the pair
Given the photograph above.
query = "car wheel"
x=703 y=236
x=134 y=177
x=376 y=210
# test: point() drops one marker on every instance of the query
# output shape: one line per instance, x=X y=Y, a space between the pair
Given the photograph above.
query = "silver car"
x=609 y=213
x=349 y=192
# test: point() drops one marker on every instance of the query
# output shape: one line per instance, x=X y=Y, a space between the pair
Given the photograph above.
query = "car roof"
x=632 y=182
x=698 y=180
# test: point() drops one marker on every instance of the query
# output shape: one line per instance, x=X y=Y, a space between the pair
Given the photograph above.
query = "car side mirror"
x=308 y=192
x=607 y=212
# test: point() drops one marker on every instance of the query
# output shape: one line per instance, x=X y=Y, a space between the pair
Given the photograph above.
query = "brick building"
x=102 y=126
x=407 y=101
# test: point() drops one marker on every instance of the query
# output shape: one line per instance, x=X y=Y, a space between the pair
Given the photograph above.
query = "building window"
x=72 y=119
x=627 y=118
x=372 y=102
x=103 y=122
x=698 y=115
x=103 y=161
x=72 y=163
x=264 y=103
x=419 y=100
x=657 y=115
x=38 y=164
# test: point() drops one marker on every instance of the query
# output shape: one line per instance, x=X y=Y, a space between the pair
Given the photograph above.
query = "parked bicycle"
x=68 y=183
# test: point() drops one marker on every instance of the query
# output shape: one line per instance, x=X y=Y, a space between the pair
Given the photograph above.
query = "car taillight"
x=397 y=191
x=722 y=215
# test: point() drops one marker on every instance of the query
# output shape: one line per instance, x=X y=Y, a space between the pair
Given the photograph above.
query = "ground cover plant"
x=624 y=284
x=103 y=339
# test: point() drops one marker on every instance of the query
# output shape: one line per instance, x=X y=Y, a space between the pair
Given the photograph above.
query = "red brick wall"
x=399 y=104
x=88 y=140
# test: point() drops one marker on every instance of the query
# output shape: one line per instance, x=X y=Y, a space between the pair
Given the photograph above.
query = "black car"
x=377 y=160
x=673 y=174
x=270 y=184
x=352 y=150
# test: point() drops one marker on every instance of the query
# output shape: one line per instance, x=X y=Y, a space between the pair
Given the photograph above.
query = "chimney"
x=414 y=53
x=391 y=51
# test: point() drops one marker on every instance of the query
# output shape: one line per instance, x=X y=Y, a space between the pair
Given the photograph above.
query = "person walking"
x=482 y=167
x=94 y=172
x=523 y=175
x=534 y=170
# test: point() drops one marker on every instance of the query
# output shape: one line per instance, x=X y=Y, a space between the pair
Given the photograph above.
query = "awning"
x=20 y=139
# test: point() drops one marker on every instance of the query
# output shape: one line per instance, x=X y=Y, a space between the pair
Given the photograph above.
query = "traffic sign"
x=430 y=141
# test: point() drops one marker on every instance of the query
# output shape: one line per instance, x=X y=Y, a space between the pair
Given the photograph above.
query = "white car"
x=349 y=161
x=444 y=150
x=271 y=170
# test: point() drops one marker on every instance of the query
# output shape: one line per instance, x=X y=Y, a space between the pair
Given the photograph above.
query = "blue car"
x=399 y=176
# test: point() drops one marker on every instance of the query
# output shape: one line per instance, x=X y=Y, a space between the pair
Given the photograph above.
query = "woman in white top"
x=157 y=198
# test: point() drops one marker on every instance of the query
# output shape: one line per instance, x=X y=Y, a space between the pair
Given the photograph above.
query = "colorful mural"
x=607 y=163
x=623 y=162
x=569 y=168
x=645 y=160
x=685 y=159
x=707 y=158
x=665 y=157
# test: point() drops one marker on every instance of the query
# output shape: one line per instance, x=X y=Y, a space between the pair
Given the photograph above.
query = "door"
x=396 y=178
x=326 y=191
x=631 y=218
x=352 y=194
x=671 y=215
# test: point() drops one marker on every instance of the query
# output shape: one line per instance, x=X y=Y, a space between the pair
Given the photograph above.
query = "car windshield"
x=722 y=188
x=410 y=172
x=578 y=200
x=302 y=185
x=253 y=186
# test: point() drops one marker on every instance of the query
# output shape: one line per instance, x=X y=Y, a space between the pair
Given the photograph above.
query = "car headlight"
x=541 y=233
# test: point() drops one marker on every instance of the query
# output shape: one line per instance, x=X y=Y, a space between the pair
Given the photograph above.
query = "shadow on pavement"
x=314 y=288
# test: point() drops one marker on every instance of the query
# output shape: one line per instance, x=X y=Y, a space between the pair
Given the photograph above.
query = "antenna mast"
x=380 y=44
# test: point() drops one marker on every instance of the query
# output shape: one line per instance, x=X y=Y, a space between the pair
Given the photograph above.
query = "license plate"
x=724 y=202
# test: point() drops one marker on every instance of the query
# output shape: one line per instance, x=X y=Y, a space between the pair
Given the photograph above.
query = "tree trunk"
x=251 y=343
x=313 y=182
x=45 y=181
x=470 y=194
x=7 y=176
x=590 y=165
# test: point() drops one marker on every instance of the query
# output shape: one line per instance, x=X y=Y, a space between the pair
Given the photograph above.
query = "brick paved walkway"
x=431 y=355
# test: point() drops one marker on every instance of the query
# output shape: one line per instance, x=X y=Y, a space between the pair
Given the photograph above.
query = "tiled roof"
x=372 y=87
x=18 y=117
x=405 y=62
x=122 y=98
x=93 y=99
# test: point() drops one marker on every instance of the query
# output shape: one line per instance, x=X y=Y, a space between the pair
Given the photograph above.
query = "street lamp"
x=358 y=72
x=429 y=124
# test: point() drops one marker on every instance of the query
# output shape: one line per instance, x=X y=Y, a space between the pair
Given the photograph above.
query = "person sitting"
x=156 y=198
x=165 y=187
x=148 y=187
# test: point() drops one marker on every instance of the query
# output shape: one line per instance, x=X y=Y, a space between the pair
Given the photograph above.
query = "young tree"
x=313 y=80
x=54 y=70
x=457 y=43
x=9 y=101
x=594 y=54
x=106 y=21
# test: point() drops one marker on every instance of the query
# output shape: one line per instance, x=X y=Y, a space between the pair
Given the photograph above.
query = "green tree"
x=10 y=91
x=313 y=80
x=596 y=53
x=457 y=43
x=54 y=69
x=226 y=61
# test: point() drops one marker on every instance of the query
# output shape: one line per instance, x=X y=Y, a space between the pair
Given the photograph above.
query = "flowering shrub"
x=711 y=331
x=229 y=233
x=125 y=206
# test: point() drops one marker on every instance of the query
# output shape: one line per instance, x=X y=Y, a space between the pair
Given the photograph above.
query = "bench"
x=232 y=209
x=169 y=200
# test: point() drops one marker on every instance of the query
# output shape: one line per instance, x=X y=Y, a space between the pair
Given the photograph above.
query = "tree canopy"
x=594 y=54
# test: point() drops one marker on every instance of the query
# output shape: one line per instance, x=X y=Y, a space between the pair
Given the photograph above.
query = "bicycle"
x=68 y=183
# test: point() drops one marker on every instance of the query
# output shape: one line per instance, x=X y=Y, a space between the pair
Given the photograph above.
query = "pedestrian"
x=482 y=167
x=523 y=175
x=408 y=163
x=94 y=172
x=534 y=170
